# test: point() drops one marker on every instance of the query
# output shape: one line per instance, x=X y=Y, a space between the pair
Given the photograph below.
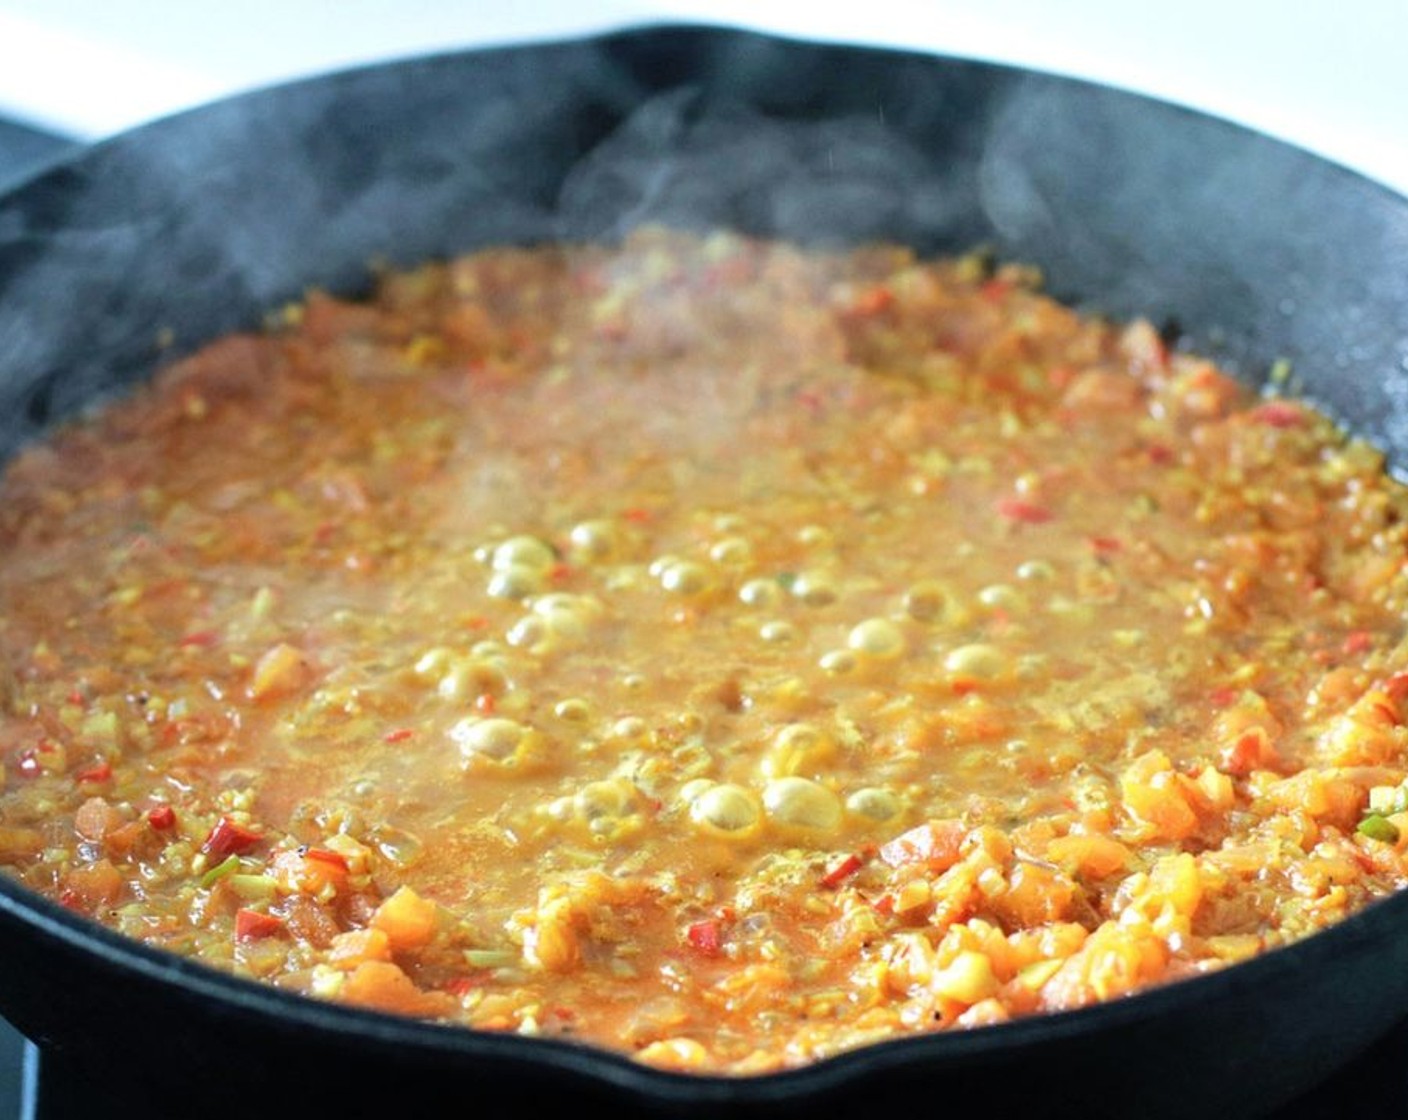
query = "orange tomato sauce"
x=716 y=651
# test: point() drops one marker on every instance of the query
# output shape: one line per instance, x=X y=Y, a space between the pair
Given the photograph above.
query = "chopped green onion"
x=220 y=870
x=252 y=888
x=1376 y=827
x=490 y=958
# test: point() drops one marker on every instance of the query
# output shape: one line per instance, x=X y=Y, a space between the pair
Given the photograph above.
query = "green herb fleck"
x=1376 y=827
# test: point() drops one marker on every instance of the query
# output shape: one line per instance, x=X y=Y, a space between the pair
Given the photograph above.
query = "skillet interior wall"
x=149 y=244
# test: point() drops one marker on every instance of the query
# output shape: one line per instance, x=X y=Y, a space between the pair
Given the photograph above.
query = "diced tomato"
x=1396 y=687
x=162 y=817
x=384 y=986
x=1386 y=709
x=337 y=859
x=98 y=884
x=638 y=515
x=408 y=920
x=707 y=937
x=1017 y=509
x=199 y=639
x=485 y=703
x=95 y=818
x=1105 y=546
x=251 y=925
x=937 y=843
x=228 y=838
x=309 y=870
x=1240 y=758
x=841 y=871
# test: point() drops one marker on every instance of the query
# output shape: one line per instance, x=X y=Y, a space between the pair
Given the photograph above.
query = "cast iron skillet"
x=147 y=245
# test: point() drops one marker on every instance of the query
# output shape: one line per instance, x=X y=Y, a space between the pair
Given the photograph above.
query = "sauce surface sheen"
x=707 y=649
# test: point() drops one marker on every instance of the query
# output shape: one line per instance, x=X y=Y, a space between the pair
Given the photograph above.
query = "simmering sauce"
x=707 y=649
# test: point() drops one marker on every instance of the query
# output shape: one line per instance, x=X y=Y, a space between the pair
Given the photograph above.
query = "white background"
x=1332 y=77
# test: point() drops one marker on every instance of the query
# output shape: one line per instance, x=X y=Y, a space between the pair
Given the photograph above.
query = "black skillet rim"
x=944 y=1049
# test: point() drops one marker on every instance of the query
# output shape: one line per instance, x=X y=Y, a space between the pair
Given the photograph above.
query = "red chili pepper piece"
x=485 y=703
x=399 y=735
x=1016 y=509
x=251 y=925
x=1360 y=641
x=462 y=986
x=1278 y=414
x=337 y=859
x=638 y=515
x=1388 y=711
x=162 y=817
x=201 y=639
x=707 y=937
x=100 y=771
x=230 y=839
x=873 y=301
x=1105 y=546
x=841 y=871
x=996 y=289
x=1221 y=697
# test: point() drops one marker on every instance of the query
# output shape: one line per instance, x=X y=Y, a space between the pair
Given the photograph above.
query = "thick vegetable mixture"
x=706 y=649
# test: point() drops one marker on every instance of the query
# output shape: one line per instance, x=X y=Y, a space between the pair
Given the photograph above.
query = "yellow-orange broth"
x=706 y=649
